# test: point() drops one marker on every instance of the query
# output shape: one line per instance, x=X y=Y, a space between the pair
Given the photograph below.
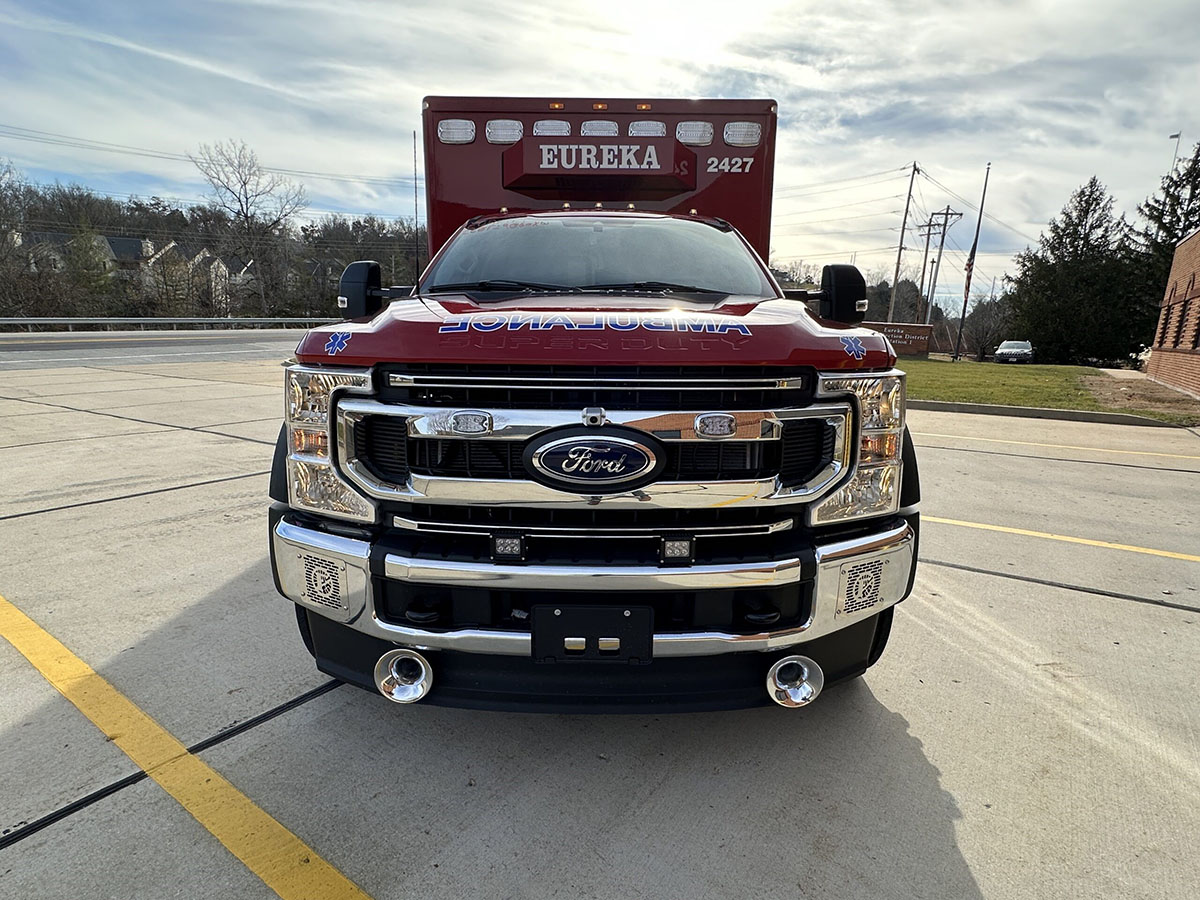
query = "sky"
x=1050 y=93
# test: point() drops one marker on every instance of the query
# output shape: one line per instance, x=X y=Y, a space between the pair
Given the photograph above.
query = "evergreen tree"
x=1074 y=294
x=1171 y=214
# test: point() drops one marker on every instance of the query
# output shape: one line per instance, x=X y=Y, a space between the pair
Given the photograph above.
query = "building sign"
x=909 y=338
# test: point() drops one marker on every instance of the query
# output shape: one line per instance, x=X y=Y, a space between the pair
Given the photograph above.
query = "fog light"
x=508 y=547
x=677 y=550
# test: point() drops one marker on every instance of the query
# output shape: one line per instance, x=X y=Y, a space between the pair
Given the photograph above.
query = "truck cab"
x=596 y=459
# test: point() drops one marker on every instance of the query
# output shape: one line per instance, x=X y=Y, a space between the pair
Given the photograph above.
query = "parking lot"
x=1031 y=731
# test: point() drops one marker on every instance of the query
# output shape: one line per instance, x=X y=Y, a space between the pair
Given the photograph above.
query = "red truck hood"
x=597 y=330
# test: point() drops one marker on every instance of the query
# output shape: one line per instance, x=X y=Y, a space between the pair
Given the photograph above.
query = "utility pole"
x=928 y=229
x=971 y=262
x=946 y=215
x=900 y=250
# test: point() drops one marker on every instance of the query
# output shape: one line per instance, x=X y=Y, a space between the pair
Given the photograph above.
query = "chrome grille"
x=384 y=444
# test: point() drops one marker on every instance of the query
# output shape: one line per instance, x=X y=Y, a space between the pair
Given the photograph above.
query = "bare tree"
x=987 y=324
x=259 y=204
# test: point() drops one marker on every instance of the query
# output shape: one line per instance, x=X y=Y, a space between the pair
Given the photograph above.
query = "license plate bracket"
x=565 y=633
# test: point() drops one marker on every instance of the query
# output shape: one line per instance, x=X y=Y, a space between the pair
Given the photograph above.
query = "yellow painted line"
x=1108 y=545
x=285 y=863
x=963 y=437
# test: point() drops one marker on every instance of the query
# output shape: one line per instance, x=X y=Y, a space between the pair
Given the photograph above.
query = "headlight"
x=313 y=482
x=874 y=489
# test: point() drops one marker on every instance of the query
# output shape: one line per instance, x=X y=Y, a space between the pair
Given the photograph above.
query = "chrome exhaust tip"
x=795 y=681
x=403 y=676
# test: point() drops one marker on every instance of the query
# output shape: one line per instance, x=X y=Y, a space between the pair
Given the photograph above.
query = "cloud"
x=1049 y=92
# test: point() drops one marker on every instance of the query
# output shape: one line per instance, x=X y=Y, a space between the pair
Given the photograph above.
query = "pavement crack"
x=177 y=487
x=31 y=828
x=1059 y=459
x=1046 y=582
x=198 y=429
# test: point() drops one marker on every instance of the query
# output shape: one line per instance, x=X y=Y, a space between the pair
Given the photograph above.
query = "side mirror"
x=843 y=294
x=360 y=290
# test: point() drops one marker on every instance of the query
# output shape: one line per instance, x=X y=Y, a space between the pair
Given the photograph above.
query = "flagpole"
x=971 y=263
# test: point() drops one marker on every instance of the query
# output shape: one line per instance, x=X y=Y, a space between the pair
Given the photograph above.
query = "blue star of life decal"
x=853 y=347
x=337 y=342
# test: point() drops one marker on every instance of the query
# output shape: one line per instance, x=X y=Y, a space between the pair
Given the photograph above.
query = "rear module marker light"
x=697 y=134
x=647 y=128
x=552 y=127
x=742 y=134
x=504 y=131
x=599 y=128
x=456 y=131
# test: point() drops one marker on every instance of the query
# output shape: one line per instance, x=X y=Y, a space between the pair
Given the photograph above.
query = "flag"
x=968 y=268
x=1171 y=137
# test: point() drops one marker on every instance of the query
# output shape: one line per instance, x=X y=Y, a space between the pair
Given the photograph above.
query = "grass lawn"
x=1057 y=387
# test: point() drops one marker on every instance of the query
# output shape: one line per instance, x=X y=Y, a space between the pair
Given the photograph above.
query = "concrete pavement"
x=1031 y=731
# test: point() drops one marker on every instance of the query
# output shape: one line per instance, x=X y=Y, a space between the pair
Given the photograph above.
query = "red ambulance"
x=596 y=459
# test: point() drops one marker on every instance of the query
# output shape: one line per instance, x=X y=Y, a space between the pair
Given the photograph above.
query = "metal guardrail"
x=156 y=322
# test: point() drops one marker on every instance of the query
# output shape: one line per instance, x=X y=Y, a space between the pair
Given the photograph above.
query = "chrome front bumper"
x=855 y=579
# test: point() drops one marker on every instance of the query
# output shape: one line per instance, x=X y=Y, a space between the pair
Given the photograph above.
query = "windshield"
x=598 y=252
x=1015 y=345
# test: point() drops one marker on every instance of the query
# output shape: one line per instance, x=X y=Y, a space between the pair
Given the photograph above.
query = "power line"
x=839 y=206
x=16 y=132
x=830 y=190
x=890 y=212
x=975 y=206
x=842 y=253
x=800 y=187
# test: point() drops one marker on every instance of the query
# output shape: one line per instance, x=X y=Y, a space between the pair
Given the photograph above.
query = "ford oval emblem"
x=594 y=460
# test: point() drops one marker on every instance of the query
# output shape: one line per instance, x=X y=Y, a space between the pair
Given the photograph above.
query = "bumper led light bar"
x=874 y=489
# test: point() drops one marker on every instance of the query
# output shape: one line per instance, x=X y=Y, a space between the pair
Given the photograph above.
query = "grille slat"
x=615 y=387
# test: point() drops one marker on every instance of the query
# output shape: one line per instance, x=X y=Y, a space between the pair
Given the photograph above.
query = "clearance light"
x=697 y=134
x=599 y=128
x=504 y=131
x=643 y=107
x=456 y=131
x=874 y=489
x=552 y=127
x=599 y=107
x=742 y=134
x=313 y=482
x=647 y=128
x=558 y=106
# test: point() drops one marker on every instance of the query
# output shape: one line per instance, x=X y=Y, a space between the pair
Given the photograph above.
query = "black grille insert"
x=382 y=443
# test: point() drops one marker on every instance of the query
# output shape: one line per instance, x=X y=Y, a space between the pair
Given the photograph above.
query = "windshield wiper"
x=656 y=286
x=501 y=284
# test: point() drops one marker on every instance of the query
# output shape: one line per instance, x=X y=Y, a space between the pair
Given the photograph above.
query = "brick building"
x=1175 y=355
